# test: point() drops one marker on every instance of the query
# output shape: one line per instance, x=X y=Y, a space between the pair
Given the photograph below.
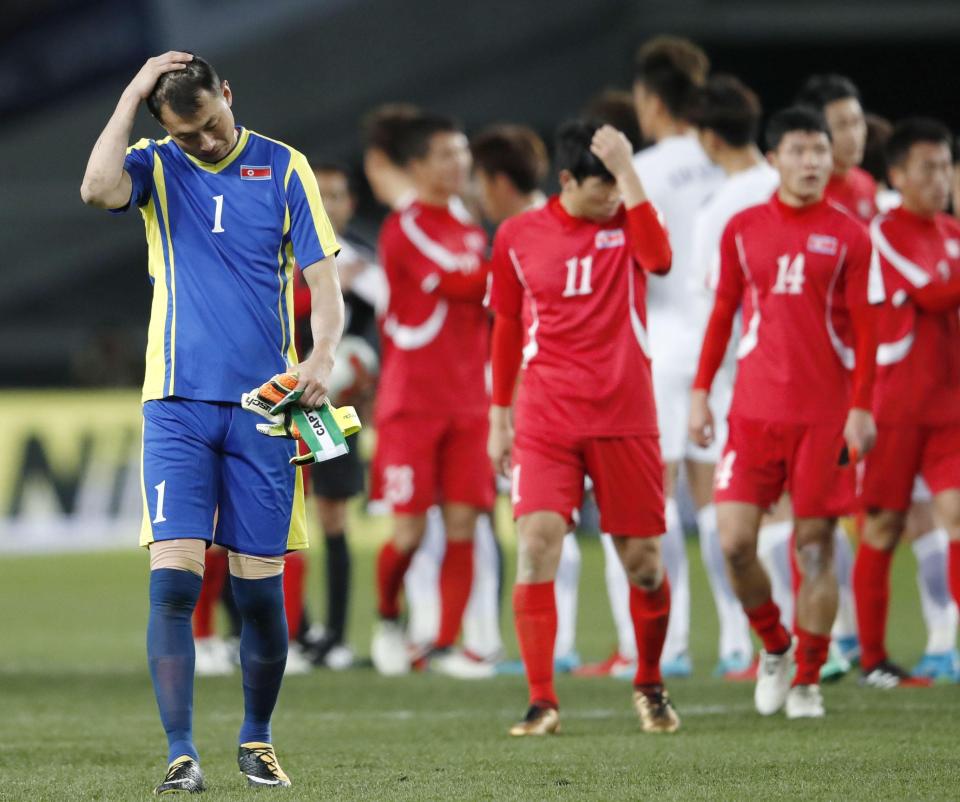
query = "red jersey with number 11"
x=797 y=273
x=586 y=356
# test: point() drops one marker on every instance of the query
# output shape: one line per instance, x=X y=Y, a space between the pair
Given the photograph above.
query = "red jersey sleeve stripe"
x=911 y=271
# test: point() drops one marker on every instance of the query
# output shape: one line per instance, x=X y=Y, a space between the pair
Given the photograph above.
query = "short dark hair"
x=730 y=109
x=573 y=150
x=414 y=141
x=180 y=89
x=335 y=167
x=384 y=127
x=671 y=68
x=909 y=132
x=874 y=150
x=819 y=90
x=616 y=107
x=514 y=151
x=794 y=118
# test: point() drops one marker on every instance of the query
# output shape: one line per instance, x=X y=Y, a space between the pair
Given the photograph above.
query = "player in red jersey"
x=585 y=401
x=839 y=101
x=803 y=272
x=917 y=399
x=430 y=411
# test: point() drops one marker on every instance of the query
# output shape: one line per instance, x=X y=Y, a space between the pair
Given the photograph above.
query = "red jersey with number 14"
x=586 y=356
x=796 y=272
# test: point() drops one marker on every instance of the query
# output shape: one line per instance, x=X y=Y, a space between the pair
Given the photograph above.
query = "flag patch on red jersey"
x=610 y=238
x=821 y=243
x=250 y=172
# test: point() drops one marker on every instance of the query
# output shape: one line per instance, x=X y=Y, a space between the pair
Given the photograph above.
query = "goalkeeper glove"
x=323 y=430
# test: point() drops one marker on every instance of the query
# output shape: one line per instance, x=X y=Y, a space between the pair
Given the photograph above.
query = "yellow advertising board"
x=69 y=470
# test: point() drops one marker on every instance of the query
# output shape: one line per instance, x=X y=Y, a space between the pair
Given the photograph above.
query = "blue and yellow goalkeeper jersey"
x=223 y=242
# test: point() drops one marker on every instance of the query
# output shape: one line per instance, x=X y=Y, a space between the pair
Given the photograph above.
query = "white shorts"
x=671 y=388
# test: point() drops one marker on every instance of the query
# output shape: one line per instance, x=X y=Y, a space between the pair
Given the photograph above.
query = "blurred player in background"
x=385 y=137
x=509 y=166
x=585 y=403
x=430 y=411
x=917 y=403
x=838 y=99
x=853 y=188
x=804 y=274
x=616 y=107
x=226 y=211
x=352 y=382
x=927 y=539
x=727 y=115
x=678 y=178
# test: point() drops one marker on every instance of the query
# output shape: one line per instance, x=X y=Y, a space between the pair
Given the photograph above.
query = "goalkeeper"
x=226 y=212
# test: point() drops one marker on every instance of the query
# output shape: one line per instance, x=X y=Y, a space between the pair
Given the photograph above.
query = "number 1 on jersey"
x=584 y=267
x=217 y=215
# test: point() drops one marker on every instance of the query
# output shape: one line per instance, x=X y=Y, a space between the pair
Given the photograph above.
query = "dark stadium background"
x=73 y=290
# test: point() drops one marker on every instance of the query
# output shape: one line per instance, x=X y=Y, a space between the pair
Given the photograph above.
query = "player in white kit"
x=727 y=115
x=679 y=179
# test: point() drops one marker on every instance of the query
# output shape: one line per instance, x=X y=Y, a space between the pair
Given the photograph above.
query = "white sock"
x=734 y=627
x=773 y=549
x=481 y=619
x=845 y=625
x=939 y=609
x=678 y=569
x=618 y=591
x=565 y=588
x=421 y=585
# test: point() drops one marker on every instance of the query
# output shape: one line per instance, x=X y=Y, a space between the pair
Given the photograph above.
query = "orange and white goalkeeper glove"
x=323 y=430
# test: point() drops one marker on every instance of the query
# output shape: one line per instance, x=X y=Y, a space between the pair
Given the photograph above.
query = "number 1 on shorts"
x=160 y=488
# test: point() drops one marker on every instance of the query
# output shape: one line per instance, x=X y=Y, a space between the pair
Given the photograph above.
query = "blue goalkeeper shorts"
x=208 y=473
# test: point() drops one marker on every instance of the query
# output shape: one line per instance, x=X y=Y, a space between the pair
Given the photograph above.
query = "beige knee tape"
x=185 y=554
x=246 y=566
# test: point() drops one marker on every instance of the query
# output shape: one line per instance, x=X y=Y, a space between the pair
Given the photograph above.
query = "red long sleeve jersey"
x=586 y=364
x=856 y=191
x=918 y=360
x=796 y=273
x=435 y=340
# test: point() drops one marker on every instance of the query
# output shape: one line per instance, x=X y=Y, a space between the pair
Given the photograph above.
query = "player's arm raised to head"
x=648 y=237
x=326 y=325
x=106 y=184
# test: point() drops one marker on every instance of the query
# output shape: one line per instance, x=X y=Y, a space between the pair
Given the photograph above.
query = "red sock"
x=391 y=567
x=294 y=568
x=650 y=611
x=765 y=620
x=214 y=575
x=456 y=579
x=535 y=618
x=811 y=655
x=953 y=568
x=871 y=593
x=795 y=576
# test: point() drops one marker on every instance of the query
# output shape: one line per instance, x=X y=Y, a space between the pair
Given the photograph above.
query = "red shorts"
x=422 y=461
x=763 y=459
x=627 y=474
x=903 y=452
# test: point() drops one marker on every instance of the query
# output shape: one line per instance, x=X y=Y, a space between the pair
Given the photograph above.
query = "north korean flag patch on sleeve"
x=250 y=172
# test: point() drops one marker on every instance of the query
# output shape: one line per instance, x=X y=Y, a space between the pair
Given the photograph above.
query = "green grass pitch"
x=78 y=721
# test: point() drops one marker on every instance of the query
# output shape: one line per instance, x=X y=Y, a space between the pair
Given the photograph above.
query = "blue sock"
x=263 y=651
x=173 y=595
